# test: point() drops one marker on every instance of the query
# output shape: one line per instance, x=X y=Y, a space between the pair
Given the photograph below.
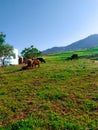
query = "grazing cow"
x=36 y=62
x=74 y=56
x=41 y=60
x=31 y=63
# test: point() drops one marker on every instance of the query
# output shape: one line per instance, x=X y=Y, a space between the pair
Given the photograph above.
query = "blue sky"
x=47 y=23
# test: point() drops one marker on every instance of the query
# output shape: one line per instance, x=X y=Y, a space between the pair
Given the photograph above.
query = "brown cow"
x=36 y=62
x=29 y=63
x=33 y=63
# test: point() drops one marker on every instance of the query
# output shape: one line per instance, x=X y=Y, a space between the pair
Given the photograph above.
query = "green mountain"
x=88 y=42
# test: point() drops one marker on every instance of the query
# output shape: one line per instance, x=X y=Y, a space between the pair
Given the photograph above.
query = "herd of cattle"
x=31 y=63
x=35 y=62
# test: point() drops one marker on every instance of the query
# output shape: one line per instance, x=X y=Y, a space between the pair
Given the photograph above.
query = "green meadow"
x=60 y=95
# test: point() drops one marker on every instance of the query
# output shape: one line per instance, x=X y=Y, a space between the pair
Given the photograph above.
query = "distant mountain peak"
x=88 y=42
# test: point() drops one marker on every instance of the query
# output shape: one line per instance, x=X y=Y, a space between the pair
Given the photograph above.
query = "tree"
x=30 y=52
x=2 y=38
x=6 y=50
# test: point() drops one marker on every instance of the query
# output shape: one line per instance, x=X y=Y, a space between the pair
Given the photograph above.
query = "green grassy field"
x=60 y=95
x=81 y=53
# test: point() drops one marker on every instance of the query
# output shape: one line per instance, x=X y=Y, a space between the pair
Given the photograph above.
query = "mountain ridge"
x=88 y=42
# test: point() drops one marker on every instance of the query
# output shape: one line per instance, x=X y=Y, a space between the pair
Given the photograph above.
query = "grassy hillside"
x=66 y=55
x=59 y=95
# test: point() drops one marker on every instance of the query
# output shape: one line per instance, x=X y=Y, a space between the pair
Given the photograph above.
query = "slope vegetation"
x=61 y=94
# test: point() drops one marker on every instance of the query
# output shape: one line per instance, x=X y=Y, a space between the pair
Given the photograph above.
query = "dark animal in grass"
x=29 y=63
x=74 y=56
x=41 y=60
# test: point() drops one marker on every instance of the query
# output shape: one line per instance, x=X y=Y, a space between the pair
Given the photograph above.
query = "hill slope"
x=59 y=95
x=88 y=42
